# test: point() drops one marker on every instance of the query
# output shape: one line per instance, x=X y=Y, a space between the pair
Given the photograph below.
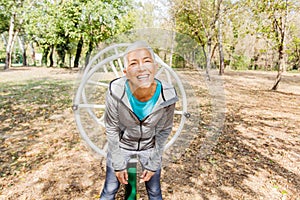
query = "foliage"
x=63 y=24
x=270 y=18
x=199 y=20
x=2 y=56
x=243 y=20
x=5 y=7
x=294 y=54
x=240 y=62
x=4 y=22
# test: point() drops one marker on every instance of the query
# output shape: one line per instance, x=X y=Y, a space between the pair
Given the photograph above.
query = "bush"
x=240 y=62
x=2 y=56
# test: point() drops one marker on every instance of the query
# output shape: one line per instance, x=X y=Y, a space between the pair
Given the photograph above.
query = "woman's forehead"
x=139 y=54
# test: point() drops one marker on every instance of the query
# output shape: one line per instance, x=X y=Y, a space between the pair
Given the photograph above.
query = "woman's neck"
x=144 y=94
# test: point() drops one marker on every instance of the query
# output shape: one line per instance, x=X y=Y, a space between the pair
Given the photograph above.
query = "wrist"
x=120 y=170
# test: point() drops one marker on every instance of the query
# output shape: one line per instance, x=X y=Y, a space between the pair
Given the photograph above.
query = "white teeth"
x=142 y=76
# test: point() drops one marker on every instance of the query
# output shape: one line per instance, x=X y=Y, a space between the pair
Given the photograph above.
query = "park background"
x=252 y=47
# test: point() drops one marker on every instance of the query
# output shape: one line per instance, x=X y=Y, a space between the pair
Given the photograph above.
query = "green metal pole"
x=131 y=187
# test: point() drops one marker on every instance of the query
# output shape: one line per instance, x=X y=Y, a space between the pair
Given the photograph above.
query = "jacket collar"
x=167 y=97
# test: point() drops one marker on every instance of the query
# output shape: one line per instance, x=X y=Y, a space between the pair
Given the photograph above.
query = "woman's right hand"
x=122 y=176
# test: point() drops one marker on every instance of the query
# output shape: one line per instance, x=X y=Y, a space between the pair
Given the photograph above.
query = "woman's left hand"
x=146 y=176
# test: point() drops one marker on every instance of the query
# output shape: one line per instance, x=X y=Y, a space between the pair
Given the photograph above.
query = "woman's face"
x=141 y=69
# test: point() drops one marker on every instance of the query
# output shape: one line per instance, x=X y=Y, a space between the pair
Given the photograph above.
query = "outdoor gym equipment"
x=89 y=101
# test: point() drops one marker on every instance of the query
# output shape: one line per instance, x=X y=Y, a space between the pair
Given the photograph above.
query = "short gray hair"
x=137 y=45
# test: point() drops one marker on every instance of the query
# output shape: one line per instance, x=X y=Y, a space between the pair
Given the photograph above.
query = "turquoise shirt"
x=143 y=108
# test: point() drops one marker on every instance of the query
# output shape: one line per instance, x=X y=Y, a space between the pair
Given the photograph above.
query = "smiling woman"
x=138 y=120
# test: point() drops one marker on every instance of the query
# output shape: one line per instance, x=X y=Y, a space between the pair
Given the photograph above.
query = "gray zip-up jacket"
x=125 y=131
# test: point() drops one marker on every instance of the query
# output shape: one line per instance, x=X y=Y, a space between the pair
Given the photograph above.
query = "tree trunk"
x=32 y=54
x=280 y=69
x=45 y=55
x=78 y=52
x=23 y=48
x=24 y=58
x=70 y=60
x=221 y=53
x=204 y=53
x=61 y=55
x=88 y=53
x=277 y=81
x=208 y=58
x=51 y=56
x=280 y=29
x=11 y=37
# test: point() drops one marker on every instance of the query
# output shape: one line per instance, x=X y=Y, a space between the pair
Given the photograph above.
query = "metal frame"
x=81 y=102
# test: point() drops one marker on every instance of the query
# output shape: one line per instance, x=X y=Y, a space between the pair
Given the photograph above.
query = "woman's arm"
x=112 y=125
x=164 y=129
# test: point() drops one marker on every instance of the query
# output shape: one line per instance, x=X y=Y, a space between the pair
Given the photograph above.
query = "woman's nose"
x=142 y=66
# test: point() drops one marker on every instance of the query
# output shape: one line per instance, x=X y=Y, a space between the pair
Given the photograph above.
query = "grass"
x=27 y=100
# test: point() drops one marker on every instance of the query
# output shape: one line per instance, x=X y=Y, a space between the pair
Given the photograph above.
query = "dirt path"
x=249 y=150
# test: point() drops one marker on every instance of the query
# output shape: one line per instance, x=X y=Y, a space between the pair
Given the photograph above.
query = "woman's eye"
x=133 y=64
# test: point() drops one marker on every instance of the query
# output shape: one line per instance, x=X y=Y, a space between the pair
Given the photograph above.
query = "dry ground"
x=246 y=145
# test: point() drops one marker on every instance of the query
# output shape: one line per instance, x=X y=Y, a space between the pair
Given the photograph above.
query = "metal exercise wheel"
x=89 y=101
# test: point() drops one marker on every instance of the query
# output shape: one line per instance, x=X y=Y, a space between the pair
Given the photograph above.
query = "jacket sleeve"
x=164 y=129
x=111 y=119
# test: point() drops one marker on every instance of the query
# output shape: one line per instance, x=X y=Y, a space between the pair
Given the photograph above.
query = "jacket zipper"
x=141 y=131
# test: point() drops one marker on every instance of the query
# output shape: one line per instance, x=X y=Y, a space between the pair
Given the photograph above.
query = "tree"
x=272 y=21
x=72 y=27
x=40 y=27
x=199 y=19
x=21 y=40
x=16 y=10
x=102 y=20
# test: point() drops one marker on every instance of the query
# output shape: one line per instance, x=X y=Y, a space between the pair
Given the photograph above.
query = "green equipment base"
x=130 y=188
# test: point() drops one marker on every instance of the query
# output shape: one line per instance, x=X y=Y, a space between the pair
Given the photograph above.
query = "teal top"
x=143 y=108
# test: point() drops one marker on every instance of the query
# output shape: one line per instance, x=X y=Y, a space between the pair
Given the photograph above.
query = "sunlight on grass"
x=29 y=100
